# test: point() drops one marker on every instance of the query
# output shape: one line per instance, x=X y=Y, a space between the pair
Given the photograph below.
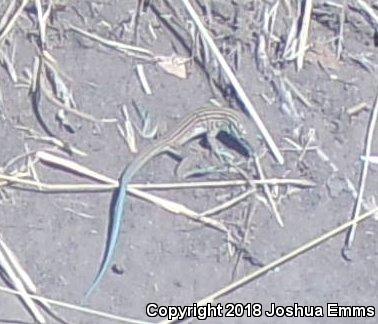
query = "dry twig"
x=357 y=208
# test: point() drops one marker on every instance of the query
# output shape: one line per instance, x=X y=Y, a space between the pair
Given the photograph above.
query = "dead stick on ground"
x=235 y=83
x=71 y=165
x=287 y=257
x=268 y=193
x=17 y=266
x=304 y=32
x=111 y=43
x=180 y=209
x=5 y=31
x=19 y=270
x=7 y=14
x=357 y=209
x=17 y=283
x=340 y=41
x=50 y=96
x=110 y=183
x=16 y=181
x=250 y=210
x=76 y=307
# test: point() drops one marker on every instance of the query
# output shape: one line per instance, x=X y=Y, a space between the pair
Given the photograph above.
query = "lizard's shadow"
x=236 y=144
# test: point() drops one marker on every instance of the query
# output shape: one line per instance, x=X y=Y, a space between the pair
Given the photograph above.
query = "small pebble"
x=118 y=269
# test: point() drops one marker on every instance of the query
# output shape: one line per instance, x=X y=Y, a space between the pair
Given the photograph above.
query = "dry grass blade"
x=15 y=281
x=235 y=83
x=125 y=48
x=227 y=183
x=7 y=14
x=85 y=310
x=298 y=93
x=58 y=143
x=291 y=41
x=111 y=184
x=17 y=180
x=42 y=20
x=45 y=65
x=249 y=211
x=128 y=132
x=179 y=209
x=371 y=159
x=17 y=266
x=143 y=79
x=202 y=218
x=357 y=209
x=287 y=257
x=6 y=61
x=310 y=138
x=340 y=41
x=287 y=7
x=237 y=199
x=11 y=22
x=50 y=96
x=26 y=280
x=73 y=166
x=268 y=193
x=357 y=108
x=229 y=203
x=2 y=105
x=304 y=32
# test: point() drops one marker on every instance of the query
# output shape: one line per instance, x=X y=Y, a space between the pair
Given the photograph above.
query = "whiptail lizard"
x=205 y=121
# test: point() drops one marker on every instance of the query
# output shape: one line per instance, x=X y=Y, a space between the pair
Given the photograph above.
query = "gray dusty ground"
x=165 y=258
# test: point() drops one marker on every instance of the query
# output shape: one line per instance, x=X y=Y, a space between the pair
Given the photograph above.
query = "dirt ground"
x=59 y=238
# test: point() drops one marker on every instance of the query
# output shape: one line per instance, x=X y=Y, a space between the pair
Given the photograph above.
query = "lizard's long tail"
x=118 y=214
x=119 y=208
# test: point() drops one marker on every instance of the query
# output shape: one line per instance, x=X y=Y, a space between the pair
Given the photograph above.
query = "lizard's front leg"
x=215 y=148
x=185 y=157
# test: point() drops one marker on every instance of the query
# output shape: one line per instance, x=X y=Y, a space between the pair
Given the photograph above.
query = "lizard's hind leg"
x=222 y=154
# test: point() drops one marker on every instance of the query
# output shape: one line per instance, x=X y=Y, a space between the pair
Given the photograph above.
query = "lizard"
x=209 y=122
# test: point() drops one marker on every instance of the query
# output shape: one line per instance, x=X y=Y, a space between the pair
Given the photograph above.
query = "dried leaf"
x=174 y=65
